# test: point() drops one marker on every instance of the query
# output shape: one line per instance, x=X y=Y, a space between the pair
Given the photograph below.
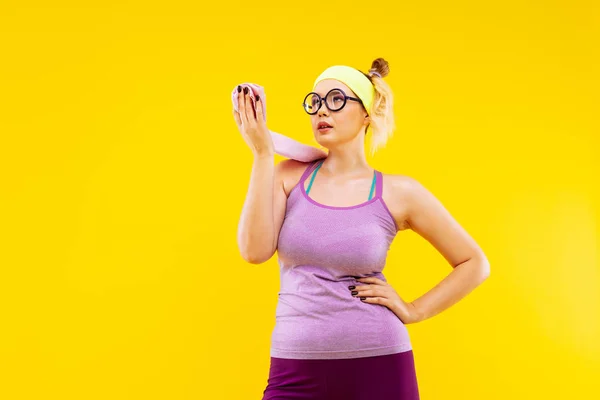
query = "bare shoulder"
x=289 y=172
x=424 y=213
x=396 y=195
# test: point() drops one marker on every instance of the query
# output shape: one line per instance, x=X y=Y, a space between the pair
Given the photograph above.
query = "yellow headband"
x=354 y=79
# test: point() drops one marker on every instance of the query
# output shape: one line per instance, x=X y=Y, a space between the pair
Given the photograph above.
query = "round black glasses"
x=335 y=100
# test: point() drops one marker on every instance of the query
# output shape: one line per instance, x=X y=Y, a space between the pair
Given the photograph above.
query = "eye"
x=338 y=98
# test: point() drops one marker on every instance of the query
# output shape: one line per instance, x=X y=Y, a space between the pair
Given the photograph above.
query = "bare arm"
x=264 y=210
x=430 y=219
x=256 y=236
x=255 y=229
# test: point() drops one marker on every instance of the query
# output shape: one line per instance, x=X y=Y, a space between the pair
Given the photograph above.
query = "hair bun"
x=379 y=67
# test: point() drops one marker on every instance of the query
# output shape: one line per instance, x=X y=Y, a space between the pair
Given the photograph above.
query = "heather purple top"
x=320 y=249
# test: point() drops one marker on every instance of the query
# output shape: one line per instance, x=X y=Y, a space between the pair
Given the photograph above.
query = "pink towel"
x=282 y=144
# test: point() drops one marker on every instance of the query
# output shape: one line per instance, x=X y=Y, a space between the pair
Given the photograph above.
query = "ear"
x=367 y=120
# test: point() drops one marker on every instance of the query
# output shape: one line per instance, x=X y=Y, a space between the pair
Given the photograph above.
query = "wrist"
x=408 y=312
x=416 y=312
x=264 y=155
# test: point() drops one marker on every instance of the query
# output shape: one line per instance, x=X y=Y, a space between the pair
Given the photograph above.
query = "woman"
x=340 y=327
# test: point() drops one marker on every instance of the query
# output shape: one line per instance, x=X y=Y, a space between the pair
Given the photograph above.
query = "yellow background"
x=123 y=176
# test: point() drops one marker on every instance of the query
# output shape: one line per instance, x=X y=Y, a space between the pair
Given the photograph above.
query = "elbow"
x=485 y=269
x=255 y=258
x=255 y=253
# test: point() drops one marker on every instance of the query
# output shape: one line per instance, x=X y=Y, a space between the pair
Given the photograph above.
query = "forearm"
x=256 y=226
x=461 y=281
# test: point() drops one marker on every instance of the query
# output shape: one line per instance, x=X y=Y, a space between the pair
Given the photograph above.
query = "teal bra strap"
x=373 y=185
x=313 y=177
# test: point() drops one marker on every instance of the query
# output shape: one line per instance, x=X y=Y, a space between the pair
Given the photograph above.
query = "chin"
x=326 y=142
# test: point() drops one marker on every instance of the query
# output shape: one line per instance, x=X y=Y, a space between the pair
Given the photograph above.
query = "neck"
x=346 y=159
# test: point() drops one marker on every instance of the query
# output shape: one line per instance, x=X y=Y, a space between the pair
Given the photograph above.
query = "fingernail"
x=257 y=98
x=351 y=287
x=362 y=298
x=354 y=293
x=245 y=90
x=239 y=88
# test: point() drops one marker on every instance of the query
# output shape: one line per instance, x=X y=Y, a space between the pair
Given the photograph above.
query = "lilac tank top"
x=321 y=250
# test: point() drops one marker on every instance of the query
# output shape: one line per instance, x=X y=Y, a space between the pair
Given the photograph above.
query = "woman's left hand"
x=380 y=292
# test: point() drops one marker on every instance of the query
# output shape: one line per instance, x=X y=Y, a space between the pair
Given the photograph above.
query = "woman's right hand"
x=252 y=124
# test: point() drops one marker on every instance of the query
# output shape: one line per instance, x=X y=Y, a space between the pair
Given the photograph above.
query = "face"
x=346 y=123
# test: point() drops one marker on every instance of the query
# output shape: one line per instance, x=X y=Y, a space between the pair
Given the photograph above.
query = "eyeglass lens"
x=335 y=101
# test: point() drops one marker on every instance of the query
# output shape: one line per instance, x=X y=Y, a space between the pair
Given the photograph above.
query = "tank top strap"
x=308 y=170
x=378 y=184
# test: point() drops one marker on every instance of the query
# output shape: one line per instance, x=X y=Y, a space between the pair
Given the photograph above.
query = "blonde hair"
x=382 y=123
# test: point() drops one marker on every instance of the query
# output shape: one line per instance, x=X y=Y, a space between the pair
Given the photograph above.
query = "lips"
x=323 y=125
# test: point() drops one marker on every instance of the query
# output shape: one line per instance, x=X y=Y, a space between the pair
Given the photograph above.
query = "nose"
x=323 y=110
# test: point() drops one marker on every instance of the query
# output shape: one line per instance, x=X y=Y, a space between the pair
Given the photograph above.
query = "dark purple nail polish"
x=245 y=90
x=239 y=88
x=351 y=287
x=354 y=293
x=257 y=98
x=362 y=298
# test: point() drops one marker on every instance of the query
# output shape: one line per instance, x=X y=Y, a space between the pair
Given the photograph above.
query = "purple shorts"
x=387 y=377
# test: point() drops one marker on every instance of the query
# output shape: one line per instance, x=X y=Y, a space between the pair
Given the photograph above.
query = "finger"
x=259 y=110
x=372 y=279
x=250 y=114
x=375 y=300
x=242 y=107
x=253 y=102
x=365 y=292
x=252 y=98
x=236 y=116
x=362 y=290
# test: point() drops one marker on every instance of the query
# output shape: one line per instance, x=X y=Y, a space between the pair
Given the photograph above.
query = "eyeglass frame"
x=324 y=100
